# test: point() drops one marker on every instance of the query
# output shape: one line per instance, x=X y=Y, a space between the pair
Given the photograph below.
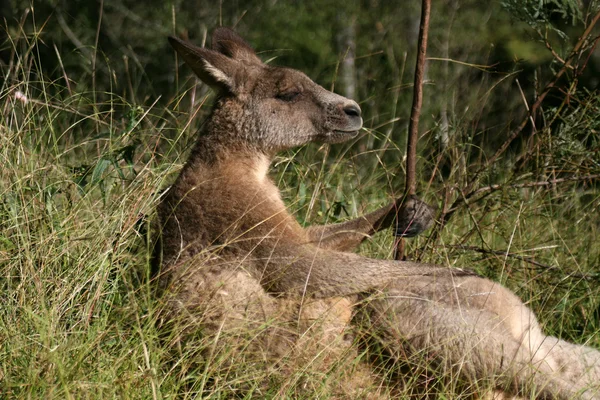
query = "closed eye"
x=288 y=96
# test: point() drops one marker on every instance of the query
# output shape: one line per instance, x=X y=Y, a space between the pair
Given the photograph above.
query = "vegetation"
x=96 y=116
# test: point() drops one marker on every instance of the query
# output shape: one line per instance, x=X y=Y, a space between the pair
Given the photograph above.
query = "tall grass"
x=79 y=180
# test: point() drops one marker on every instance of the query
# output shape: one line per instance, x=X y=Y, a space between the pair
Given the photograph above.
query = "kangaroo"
x=232 y=256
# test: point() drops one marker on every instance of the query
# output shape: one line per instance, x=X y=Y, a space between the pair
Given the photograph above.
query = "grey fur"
x=232 y=256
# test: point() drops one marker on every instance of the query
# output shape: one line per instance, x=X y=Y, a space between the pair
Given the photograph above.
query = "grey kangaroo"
x=232 y=256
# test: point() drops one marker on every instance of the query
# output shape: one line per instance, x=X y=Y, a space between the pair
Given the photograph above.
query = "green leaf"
x=99 y=170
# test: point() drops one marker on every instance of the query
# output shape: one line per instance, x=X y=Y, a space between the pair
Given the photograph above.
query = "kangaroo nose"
x=352 y=109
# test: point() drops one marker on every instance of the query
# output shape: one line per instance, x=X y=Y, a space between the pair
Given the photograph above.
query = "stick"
x=413 y=126
x=486 y=190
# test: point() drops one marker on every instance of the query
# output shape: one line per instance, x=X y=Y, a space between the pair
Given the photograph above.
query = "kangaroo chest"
x=233 y=211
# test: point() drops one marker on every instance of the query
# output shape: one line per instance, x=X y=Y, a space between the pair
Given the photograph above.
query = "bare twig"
x=529 y=260
x=493 y=188
x=592 y=51
x=549 y=182
x=504 y=253
x=578 y=46
x=413 y=126
x=550 y=48
x=581 y=42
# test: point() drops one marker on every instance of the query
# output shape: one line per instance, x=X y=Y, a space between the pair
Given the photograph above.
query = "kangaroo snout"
x=351 y=120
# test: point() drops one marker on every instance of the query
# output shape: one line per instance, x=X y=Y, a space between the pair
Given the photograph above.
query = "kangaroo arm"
x=311 y=271
x=411 y=219
x=348 y=235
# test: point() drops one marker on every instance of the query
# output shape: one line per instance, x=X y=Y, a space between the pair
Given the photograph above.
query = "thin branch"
x=413 y=127
x=549 y=182
x=592 y=51
x=493 y=188
x=550 y=48
x=504 y=253
x=529 y=260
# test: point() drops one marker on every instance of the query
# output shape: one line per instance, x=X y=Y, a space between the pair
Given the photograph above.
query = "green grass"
x=79 y=180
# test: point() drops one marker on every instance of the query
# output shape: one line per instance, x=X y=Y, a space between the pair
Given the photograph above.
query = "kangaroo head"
x=271 y=108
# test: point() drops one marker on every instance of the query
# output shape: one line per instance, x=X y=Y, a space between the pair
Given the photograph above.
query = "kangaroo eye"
x=288 y=96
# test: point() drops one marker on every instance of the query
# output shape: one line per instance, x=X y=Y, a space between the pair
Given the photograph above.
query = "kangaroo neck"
x=217 y=148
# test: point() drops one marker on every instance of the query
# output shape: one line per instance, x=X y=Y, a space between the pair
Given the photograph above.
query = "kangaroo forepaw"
x=414 y=217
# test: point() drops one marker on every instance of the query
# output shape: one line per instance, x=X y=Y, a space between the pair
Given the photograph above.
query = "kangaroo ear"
x=222 y=73
x=226 y=41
